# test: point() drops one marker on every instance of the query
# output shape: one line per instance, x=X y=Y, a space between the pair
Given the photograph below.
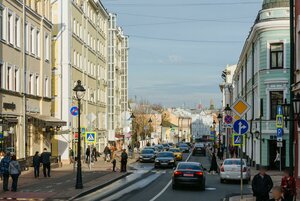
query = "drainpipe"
x=25 y=85
x=252 y=113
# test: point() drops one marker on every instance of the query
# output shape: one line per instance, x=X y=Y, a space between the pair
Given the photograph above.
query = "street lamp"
x=79 y=93
x=227 y=110
x=296 y=107
x=214 y=127
x=220 y=119
x=161 y=132
x=132 y=117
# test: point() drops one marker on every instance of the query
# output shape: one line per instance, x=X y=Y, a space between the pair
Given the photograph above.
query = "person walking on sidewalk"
x=94 y=154
x=124 y=158
x=262 y=185
x=4 y=168
x=288 y=185
x=114 y=162
x=71 y=155
x=45 y=159
x=36 y=164
x=14 y=171
x=87 y=154
x=277 y=160
x=277 y=194
x=106 y=153
x=214 y=164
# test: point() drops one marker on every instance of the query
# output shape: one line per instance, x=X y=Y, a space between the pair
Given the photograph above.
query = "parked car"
x=166 y=147
x=165 y=159
x=231 y=170
x=200 y=149
x=184 y=148
x=177 y=153
x=189 y=173
x=147 y=155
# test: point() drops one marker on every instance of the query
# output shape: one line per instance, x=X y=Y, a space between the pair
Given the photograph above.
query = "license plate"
x=164 y=163
x=188 y=175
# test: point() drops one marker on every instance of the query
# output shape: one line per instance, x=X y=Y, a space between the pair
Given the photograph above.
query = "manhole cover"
x=210 y=189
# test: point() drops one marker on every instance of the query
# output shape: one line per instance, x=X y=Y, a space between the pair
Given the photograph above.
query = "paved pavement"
x=61 y=184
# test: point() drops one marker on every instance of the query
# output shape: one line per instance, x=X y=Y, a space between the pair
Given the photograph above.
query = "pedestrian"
x=36 y=164
x=277 y=194
x=277 y=160
x=45 y=159
x=288 y=185
x=87 y=154
x=1 y=157
x=148 y=144
x=106 y=152
x=94 y=154
x=214 y=164
x=124 y=158
x=14 y=171
x=262 y=185
x=114 y=162
x=4 y=168
x=71 y=155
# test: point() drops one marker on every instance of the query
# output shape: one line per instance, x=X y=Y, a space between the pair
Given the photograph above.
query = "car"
x=171 y=144
x=199 y=149
x=159 y=147
x=166 y=147
x=165 y=159
x=231 y=170
x=189 y=173
x=177 y=153
x=155 y=149
x=184 y=148
x=147 y=155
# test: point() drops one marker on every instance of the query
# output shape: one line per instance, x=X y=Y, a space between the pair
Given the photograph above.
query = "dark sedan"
x=184 y=148
x=147 y=155
x=189 y=174
x=165 y=159
x=166 y=147
x=199 y=149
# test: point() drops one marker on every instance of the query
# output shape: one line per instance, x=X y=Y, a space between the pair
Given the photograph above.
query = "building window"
x=17 y=31
x=30 y=84
x=1 y=22
x=276 y=55
x=46 y=87
x=9 y=79
x=47 y=47
x=37 y=83
x=17 y=80
x=38 y=44
x=26 y=38
x=10 y=28
x=1 y=75
x=32 y=40
x=276 y=98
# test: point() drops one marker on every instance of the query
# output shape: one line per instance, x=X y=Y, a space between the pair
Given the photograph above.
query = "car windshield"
x=165 y=145
x=165 y=154
x=189 y=166
x=183 y=145
x=147 y=151
x=233 y=162
x=174 y=150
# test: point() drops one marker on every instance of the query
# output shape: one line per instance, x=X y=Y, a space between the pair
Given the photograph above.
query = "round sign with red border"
x=228 y=119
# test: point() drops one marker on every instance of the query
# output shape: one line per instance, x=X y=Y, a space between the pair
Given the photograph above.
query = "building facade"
x=80 y=42
x=262 y=79
x=118 y=117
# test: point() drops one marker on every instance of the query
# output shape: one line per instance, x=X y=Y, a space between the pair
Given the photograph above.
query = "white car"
x=231 y=170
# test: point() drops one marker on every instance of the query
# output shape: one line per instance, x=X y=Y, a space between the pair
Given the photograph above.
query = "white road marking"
x=210 y=189
x=167 y=186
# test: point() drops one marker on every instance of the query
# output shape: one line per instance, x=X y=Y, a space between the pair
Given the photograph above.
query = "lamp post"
x=79 y=92
x=220 y=120
x=214 y=128
x=150 y=123
x=161 y=132
x=258 y=135
x=227 y=110
x=132 y=117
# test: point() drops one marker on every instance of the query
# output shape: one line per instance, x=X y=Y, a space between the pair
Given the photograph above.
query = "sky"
x=179 y=48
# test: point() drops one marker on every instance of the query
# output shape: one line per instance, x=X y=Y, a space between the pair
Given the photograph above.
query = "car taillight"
x=177 y=173
x=244 y=169
x=199 y=173
x=222 y=169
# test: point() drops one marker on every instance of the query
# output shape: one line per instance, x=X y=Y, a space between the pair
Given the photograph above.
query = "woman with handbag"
x=14 y=171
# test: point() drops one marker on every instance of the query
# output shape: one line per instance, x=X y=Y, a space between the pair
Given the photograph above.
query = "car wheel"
x=202 y=187
x=222 y=181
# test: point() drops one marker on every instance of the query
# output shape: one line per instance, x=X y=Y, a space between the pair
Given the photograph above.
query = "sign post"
x=279 y=126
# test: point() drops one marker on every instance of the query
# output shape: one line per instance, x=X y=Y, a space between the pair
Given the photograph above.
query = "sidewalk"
x=61 y=184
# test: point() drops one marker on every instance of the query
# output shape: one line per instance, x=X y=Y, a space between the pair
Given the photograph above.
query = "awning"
x=47 y=120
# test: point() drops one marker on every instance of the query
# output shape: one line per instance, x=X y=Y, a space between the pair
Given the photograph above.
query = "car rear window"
x=174 y=150
x=233 y=162
x=165 y=154
x=183 y=166
x=147 y=151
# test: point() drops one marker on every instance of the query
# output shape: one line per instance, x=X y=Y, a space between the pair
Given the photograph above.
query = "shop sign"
x=9 y=106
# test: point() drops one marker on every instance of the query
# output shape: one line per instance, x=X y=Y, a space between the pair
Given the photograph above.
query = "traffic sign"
x=279 y=144
x=279 y=134
x=240 y=107
x=74 y=110
x=90 y=137
x=228 y=119
x=279 y=109
x=237 y=140
x=1 y=135
x=241 y=126
x=279 y=121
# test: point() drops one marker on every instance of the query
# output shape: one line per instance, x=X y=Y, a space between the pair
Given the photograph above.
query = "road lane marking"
x=168 y=184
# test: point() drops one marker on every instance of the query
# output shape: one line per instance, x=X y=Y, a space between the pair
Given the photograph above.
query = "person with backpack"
x=14 y=171
x=36 y=164
x=124 y=158
x=4 y=168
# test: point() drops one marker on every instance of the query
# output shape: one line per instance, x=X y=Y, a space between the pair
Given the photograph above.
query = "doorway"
x=272 y=154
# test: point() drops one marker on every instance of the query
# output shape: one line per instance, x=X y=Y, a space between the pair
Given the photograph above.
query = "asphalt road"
x=156 y=186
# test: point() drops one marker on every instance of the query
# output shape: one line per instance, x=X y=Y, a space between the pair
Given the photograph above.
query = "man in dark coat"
x=4 y=165
x=262 y=185
x=124 y=158
x=45 y=159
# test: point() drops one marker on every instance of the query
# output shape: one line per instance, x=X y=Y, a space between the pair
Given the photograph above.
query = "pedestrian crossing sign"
x=90 y=137
x=237 y=140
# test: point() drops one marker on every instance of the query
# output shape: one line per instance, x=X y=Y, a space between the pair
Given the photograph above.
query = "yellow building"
x=80 y=53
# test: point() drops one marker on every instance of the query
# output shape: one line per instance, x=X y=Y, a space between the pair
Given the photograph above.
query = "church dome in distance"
x=275 y=4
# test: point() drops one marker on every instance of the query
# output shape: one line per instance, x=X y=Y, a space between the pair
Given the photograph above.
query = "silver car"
x=231 y=170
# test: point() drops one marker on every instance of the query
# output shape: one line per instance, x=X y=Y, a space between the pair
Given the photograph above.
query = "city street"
x=155 y=185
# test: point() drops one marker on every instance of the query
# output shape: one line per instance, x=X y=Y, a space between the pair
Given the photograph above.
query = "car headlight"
x=156 y=160
x=172 y=161
x=141 y=156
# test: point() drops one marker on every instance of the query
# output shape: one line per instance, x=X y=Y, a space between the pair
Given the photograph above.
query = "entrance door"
x=272 y=154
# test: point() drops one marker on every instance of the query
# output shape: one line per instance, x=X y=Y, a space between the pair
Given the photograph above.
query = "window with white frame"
x=10 y=28
x=47 y=47
x=46 y=91
x=30 y=84
x=17 y=31
x=77 y=58
x=1 y=22
x=9 y=78
x=26 y=38
x=38 y=43
x=1 y=75
x=17 y=80
x=74 y=26
x=37 y=85
x=74 y=58
x=32 y=39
